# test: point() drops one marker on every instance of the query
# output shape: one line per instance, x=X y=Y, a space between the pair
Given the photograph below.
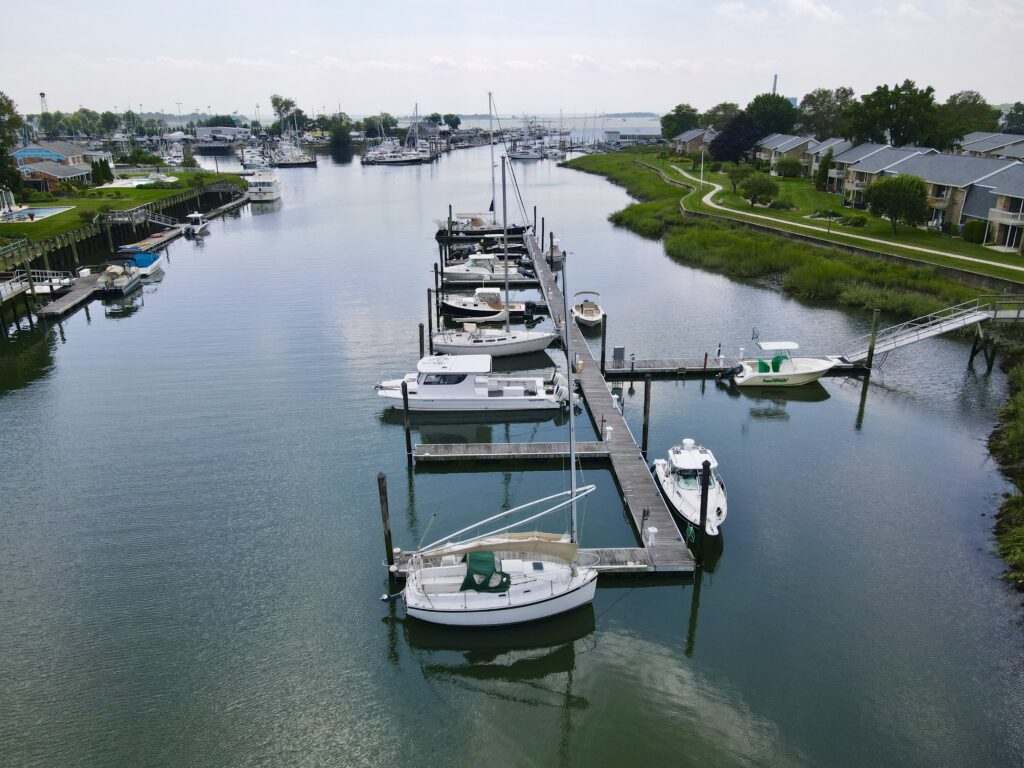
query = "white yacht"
x=679 y=478
x=587 y=311
x=496 y=342
x=264 y=186
x=196 y=224
x=780 y=369
x=461 y=383
x=525 y=152
x=480 y=269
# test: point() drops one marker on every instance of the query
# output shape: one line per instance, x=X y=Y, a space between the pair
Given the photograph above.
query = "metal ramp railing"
x=919 y=329
x=140 y=215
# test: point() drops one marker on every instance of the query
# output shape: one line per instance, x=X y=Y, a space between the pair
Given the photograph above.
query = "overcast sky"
x=627 y=55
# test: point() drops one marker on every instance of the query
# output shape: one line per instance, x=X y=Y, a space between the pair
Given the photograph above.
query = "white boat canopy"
x=777 y=346
x=460 y=364
x=691 y=456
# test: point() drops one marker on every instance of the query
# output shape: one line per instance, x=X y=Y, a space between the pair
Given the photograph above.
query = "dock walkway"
x=437 y=452
x=81 y=291
x=644 y=502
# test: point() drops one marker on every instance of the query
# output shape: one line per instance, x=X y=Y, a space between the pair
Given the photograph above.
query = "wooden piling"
x=604 y=339
x=535 y=218
x=647 y=414
x=874 y=336
x=705 y=481
x=385 y=516
x=541 y=230
x=436 y=283
x=408 y=426
x=430 y=322
x=421 y=341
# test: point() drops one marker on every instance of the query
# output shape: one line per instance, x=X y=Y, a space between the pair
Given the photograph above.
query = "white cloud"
x=640 y=65
x=740 y=11
x=443 y=62
x=186 y=64
x=528 y=65
x=582 y=61
x=244 y=63
x=812 y=8
x=690 y=65
x=366 y=65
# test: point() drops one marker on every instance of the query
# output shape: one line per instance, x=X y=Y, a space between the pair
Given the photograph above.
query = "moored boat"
x=781 y=369
x=679 y=477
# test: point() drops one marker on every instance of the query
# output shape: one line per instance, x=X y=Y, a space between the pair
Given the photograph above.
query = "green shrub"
x=716 y=166
x=974 y=231
x=782 y=204
x=856 y=221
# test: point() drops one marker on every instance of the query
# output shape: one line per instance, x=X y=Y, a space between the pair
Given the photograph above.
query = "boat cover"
x=483 y=573
x=539 y=542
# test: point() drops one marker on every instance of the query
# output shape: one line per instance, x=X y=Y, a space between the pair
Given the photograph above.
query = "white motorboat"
x=679 y=478
x=484 y=303
x=525 y=153
x=196 y=224
x=587 y=311
x=485 y=268
x=464 y=383
x=502 y=577
x=118 y=280
x=473 y=340
x=780 y=369
x=264 y=186
x=146 y=262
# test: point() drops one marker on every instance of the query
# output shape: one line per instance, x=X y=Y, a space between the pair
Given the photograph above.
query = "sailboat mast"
x=504 y=231
x=566 y=319
x=490 y=128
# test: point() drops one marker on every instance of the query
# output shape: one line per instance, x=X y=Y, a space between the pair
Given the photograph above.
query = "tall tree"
x=108 y=122
x=774 y=113
x=452 y=121
x=1015 y=119
x=901 y=115
x=719 y=115
x=10 y=128
x=821 y=178
x=968 y=111
x=759 y=187
x=821 y=110
x=736 y=138
x=433 y=117
x=737 y=174
x=901 y=198
x=281 y=105
x=682 y=118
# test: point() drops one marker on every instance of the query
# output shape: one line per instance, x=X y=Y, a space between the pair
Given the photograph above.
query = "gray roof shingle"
x=951 y=170
x=1009 y=182
x=993 y=142
x=857 y=153
x=880 y=161
x=57 y=170
x=1015 y=152
x=62 y=148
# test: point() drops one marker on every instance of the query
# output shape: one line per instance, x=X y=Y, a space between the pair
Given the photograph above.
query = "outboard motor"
x=730 y=372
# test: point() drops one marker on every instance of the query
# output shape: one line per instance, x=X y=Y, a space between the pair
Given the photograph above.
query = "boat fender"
x=386 y=598
x=729 y=373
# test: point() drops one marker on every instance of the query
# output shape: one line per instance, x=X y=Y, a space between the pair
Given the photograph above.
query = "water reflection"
x=123 y=307
x=262 y=208
x=26 y=355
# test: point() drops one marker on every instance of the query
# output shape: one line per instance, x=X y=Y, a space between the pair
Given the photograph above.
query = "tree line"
x=903 y=114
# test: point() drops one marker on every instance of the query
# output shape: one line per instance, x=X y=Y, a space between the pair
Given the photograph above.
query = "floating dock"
x=697 y=368
x=81 y=291
x=438 y=452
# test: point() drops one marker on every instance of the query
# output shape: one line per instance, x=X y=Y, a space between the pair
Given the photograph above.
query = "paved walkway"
x=716 y=188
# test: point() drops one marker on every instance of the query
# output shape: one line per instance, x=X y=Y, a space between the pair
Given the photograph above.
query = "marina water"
x=191 y=549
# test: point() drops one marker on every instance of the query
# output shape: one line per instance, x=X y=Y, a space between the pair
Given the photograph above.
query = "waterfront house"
x=692 y=140
x=861 y=173
x=50 y=151
x=816 y=152
x=46 y=175
x=776 y=146
x=983 y=144
x=842 y=161
x=1005 y=218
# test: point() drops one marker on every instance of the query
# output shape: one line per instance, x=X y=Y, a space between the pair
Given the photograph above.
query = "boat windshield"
x=689 y=479
x=444 y=378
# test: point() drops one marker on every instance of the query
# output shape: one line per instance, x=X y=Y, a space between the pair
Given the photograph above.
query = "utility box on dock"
x=618 y=357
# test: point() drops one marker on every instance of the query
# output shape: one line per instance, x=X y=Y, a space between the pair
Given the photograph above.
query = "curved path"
x=716 y=188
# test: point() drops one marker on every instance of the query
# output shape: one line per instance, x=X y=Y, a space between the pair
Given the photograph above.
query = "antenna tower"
x=42 y=103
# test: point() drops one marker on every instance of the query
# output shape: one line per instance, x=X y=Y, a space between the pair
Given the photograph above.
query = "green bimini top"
x=483 y=573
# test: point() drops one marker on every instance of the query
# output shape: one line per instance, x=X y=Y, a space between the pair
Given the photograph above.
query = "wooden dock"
x=81 y=291
x=697 y=367
x=438 y=452
x=644 y=502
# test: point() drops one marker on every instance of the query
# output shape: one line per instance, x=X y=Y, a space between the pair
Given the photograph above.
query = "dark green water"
x=191 y=546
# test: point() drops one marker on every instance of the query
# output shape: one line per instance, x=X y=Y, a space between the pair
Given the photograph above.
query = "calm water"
x=191 y=545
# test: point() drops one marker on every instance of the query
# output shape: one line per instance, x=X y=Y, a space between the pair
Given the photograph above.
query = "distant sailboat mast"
x=490 y=128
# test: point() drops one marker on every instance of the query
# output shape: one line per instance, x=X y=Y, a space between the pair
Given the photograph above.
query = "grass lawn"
x=68 y=220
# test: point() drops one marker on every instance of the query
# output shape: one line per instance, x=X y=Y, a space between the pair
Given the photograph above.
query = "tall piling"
x=647 y=414
x=385 y=516
x=874 y=337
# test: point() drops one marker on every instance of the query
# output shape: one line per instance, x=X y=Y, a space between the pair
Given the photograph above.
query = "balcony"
x=764 y=156
x=938 y=203
x=837 y=173
x=999 y=216
x=856 y=186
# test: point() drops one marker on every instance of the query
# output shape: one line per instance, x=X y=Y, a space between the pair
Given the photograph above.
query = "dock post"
x=541 y=233
x=874 y=336
x=647 y=414
x=604 y=338
x=408 y=428
x=535 y=219
x=551 y=250
x=421 y=341
x=385 y=516
x=705 y=481
x=440 y=251
x=430 y=323
x=435 y=278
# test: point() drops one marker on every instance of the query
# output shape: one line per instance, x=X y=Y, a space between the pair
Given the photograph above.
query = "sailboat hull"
x=496 y=615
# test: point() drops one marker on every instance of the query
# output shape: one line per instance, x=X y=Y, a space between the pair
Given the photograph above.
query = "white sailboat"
x=485 y=303
x=497 y=343
x=502 y=577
